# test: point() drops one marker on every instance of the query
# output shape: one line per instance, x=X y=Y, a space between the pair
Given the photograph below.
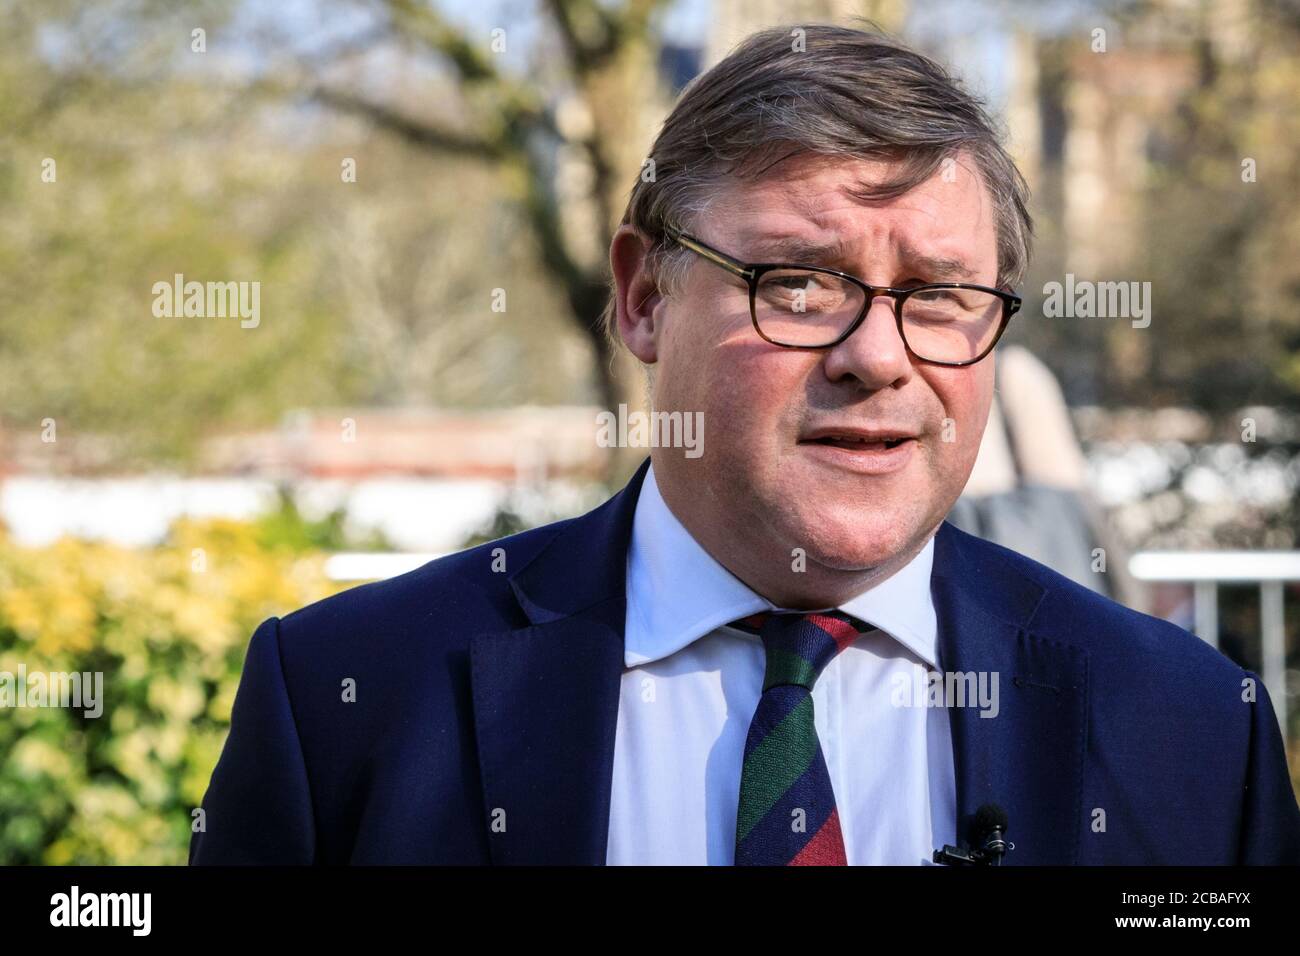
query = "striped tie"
x=787 y=814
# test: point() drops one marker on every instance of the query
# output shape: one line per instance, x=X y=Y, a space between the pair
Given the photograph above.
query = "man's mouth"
x=863 y=451
x=858 y=443
x=853 y=438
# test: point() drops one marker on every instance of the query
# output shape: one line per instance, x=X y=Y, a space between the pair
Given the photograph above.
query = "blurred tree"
x=571 y=96
x=1223 y=239
x=155 y=170
x=1210 y=220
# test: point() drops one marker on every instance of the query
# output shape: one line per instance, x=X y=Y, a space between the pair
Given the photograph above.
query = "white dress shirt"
x=691 y=685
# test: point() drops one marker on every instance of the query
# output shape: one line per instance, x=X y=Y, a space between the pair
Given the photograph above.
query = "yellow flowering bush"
x=168 y=628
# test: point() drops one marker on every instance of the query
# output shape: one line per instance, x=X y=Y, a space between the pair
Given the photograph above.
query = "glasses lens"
x=805 y=308
x=951 y=325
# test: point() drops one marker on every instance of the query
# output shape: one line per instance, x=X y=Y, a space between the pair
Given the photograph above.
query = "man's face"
x=772 y=478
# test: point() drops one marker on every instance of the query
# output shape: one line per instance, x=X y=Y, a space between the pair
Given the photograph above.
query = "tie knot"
x=799 y=646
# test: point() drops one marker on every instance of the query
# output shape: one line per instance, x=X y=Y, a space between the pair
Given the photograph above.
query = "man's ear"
x=637 y=297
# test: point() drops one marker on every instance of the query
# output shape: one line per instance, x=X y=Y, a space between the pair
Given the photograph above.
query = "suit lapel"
x=1029 y=757
x=546 y=696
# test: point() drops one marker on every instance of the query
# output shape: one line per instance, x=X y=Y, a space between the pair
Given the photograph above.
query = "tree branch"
x=413 y=131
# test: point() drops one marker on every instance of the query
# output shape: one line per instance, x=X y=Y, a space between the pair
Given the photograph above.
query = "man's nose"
x=874 y=354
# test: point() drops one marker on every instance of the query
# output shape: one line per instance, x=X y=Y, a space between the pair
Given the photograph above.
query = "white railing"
x=373 y=565
x=1205 y=571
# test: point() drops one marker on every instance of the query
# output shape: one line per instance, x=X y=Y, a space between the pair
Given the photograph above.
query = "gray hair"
x=852 y=93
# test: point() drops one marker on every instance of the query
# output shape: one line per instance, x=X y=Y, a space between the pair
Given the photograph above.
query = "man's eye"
x=795 y=283
x=935 y=295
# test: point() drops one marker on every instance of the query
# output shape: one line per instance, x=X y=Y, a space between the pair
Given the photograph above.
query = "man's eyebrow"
x=797 y=250
x=936 y=268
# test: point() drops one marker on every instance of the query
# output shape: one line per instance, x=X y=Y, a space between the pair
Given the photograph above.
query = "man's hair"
x=844 y=92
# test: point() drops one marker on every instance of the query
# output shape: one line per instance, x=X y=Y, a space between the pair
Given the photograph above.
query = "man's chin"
x=863 y=542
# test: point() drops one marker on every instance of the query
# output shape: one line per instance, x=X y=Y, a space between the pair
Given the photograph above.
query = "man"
x=774 y=651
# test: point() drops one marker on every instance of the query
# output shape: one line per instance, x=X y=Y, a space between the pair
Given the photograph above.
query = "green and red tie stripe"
x=787 y=814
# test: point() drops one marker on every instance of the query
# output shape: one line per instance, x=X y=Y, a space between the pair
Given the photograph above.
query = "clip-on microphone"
x=989 y=829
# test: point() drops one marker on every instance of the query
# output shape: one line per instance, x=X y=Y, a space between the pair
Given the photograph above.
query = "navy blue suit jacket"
x=483 y=725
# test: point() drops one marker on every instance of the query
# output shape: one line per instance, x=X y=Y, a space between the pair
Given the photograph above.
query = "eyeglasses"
x=805 y=307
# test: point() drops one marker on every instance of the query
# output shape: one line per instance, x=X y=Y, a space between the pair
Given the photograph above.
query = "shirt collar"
x=677 y=592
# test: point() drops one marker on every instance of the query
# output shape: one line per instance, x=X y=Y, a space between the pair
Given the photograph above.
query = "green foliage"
x=168 y=629
x=504 y=522
x=285 y=528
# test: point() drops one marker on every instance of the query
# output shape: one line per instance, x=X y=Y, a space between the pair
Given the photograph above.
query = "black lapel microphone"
x=989 y=832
